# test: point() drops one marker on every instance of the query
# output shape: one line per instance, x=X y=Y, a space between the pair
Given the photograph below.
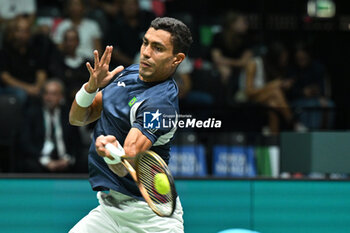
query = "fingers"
x=105 y=54
x=88 y=66
x=110 y=139
x=109 y=55
x=97 y=60
x=117 y=70
x=101 y=142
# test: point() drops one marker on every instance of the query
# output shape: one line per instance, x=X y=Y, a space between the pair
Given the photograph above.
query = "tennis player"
x=128 y=97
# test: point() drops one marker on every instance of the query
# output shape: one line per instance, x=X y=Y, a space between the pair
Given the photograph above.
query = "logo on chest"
x=132 y=101
x=121 y=84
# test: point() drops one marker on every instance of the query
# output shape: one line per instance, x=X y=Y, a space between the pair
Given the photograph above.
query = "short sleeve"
x=95 y=29
x=157 y=121
x=58 y=35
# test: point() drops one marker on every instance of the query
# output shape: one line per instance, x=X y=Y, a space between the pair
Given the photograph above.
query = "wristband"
x=115 y=152
x=83 y=98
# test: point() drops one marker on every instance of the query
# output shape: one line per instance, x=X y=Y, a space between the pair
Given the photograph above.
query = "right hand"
x=100 y=74
x=101 y=142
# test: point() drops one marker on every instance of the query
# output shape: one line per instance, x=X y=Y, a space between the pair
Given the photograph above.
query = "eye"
x=144 y=42
x=159 y=49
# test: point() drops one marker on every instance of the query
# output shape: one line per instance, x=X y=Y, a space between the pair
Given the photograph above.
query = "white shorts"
x=129 y=216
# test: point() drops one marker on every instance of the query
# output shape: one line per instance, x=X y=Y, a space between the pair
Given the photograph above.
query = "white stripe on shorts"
x=130 y=216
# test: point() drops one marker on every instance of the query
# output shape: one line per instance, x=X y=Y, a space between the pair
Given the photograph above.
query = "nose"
x=146 y=53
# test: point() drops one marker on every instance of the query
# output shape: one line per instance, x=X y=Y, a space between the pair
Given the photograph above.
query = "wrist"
x=84 y=98
x=90 y=89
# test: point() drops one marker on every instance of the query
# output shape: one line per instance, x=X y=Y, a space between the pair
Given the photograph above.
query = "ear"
x=178 y=59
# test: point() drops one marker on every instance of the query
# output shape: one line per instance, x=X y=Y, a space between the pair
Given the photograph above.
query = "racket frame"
x=134 y=174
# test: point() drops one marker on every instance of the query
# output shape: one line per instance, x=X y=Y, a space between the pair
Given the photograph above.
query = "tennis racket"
x=147 y=165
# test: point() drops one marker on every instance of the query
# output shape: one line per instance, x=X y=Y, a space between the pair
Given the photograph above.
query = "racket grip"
x=116 y=153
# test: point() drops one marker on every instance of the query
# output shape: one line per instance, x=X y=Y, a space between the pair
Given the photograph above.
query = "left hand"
x=100 y=74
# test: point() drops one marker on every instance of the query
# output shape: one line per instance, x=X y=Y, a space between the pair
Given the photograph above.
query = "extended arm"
x=31 y=89
x=81 y=113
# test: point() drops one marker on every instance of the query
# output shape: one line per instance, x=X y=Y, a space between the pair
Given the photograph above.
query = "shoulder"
x=133 y=69
x=89 y=23
x=61 y=28
x=64 y=24
x=164 y=93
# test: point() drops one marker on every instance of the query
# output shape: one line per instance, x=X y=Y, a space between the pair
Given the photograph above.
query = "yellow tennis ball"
x=161 y=183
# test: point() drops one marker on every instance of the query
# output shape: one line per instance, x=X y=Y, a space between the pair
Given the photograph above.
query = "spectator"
x=68 y=66
x=22 y=69
x=104 y=12
x=308 y=93
x=230 y=51
x=128 y=31
x=89 y=31
x=49 y=142
x=266 y=84
x=11 y=9
x=182 y=77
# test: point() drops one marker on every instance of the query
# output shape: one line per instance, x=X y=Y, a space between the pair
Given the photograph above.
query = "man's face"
x=22 y=32
x=52 y=95
x=76 y=9
x=302 y=58
x=130 y=8
x=71 y=41
x=157 y=61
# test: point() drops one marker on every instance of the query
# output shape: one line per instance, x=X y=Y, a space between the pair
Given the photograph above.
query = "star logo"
x=156 y=115
x=151 y=120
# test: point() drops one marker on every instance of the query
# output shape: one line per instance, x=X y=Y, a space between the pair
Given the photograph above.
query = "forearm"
x=9 y=80
x=41 y=77
x=80 y=116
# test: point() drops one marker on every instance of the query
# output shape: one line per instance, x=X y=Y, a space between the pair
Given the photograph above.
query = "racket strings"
x=147 y=169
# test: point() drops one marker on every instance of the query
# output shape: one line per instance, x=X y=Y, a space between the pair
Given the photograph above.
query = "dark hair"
x=57 y=81
x=229 y=18
x=72 y=29
x=180 y=33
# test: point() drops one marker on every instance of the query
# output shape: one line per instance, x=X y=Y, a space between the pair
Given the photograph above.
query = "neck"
x=76 y=20
x=71 y=54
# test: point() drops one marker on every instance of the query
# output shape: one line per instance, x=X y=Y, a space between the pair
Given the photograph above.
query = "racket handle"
x=116 y=153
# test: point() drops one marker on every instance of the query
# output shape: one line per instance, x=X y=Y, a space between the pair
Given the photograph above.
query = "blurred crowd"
x=44 y=46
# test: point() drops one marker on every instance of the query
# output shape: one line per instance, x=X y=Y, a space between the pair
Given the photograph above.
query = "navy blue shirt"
x=127 y=102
